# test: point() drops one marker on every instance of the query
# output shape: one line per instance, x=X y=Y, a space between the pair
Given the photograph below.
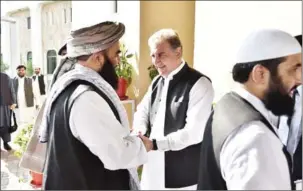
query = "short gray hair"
x=168 y=35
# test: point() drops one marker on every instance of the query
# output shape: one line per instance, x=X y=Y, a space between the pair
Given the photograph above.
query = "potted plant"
x=3 y=67
x=124 y=72
x=153 y=72
x=21 y=141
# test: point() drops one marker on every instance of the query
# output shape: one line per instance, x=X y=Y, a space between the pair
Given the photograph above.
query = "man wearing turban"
x=85 y=125
x=241 y=149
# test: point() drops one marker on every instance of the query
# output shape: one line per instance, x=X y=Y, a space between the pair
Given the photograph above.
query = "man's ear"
x=178 y=52
x=98 y=57
x=259 y=74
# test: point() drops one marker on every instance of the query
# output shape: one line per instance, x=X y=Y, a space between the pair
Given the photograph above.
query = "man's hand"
x=147 y=142
x=12 y=107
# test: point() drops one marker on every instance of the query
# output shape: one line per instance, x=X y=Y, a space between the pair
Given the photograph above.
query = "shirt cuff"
x=163 y=144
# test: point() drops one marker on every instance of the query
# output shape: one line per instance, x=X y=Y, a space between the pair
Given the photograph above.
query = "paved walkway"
x=13 y=177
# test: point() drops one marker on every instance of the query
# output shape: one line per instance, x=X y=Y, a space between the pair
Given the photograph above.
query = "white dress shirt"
x=94 y=124
x=199 y=109
x=25 y=114
x=251 y=157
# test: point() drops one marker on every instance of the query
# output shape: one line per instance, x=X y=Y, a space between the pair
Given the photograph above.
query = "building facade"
x=41 y=30
x=210 y=31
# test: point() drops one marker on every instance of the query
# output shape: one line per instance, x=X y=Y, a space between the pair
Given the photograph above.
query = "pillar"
x=36 y=35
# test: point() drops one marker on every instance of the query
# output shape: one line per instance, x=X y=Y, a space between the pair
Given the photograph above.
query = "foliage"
x=153 y=72
x=22 y=139
x=29 y=68
x=3 y=67
x=125 y=69
x=139 y=170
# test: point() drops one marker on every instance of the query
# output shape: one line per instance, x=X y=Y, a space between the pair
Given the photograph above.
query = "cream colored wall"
x=155 y=15
x=24 y=34
x=221 y=27
x=54 y=35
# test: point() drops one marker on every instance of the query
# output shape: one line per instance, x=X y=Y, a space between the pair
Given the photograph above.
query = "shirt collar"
x=174 y=72
x=257 y=103
x=299 y=90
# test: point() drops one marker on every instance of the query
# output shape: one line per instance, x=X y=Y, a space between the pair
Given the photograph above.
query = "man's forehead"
x=159 y=48
x=294 y=58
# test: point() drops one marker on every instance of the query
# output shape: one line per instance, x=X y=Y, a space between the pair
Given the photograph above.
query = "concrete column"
x=36 y=35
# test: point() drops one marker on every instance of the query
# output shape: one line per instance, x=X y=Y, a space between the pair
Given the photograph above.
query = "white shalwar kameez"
x=199 y=108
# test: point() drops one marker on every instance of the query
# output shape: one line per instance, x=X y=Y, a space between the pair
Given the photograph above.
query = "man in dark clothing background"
x=7 y=103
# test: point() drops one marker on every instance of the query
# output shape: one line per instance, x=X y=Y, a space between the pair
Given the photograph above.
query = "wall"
x=54 y=29
x=221 y=26
x=155 y=15
x=23 y=34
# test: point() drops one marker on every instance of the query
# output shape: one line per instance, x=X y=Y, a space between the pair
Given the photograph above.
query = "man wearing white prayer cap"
x=241 y=149
x=85 y=125
x=40 y=83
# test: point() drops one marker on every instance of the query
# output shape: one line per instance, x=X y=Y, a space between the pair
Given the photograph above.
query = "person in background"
x=173 y=114
x=7 y=103
x=40 y=83
x=290 y=130
x=28 y=96
x=241 y=149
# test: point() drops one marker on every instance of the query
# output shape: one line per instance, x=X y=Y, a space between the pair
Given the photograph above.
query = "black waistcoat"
x=180 y=166
x=220 y=125
x=70 y=165
x=41 y=84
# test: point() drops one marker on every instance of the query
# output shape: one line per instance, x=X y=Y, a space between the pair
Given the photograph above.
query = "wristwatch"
x=155 y=146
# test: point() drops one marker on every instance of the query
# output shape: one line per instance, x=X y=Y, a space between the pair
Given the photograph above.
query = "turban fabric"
x=89 y=40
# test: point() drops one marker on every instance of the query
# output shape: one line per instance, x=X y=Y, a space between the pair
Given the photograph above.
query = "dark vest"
x=28 y=91
x=70 y=165
x=180 y=166
x=41 y=84
x=220 y=125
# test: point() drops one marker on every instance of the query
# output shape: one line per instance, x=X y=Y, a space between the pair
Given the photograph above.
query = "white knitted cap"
x=267 y=44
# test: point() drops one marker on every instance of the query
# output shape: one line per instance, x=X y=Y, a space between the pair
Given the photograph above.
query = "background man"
x=27 y=96
x=290 y=130
x=7 y=103
x=40 y=83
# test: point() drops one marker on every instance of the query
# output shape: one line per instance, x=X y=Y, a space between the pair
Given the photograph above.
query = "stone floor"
x=13 y=177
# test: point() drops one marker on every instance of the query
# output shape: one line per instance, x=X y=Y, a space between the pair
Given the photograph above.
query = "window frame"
x=51 y=61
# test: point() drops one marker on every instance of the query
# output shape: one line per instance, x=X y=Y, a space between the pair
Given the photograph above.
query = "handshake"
x=146 y=141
